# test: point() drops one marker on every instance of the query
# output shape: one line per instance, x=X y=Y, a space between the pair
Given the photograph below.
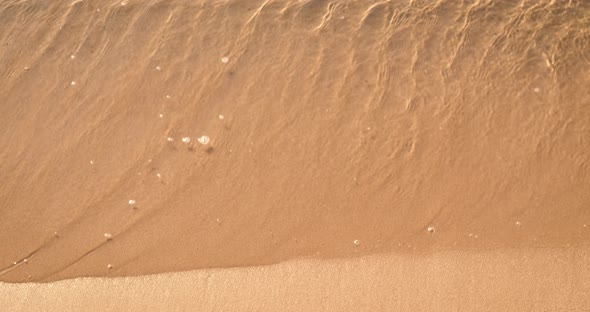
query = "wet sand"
x=507 y=280
x=149 y=137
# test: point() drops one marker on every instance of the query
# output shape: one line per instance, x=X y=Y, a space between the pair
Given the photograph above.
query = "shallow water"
x=342 y=121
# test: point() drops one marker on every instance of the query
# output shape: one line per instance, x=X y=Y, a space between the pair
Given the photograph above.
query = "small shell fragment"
x=356 y=242
x=170 y=139
x=430 y=229
x=225 y=60
x=131 y=202
x=186 y=139
x=204 y=139
x=108 y=236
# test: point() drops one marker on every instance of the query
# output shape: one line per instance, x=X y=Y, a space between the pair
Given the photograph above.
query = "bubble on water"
x=225 y=60
x=186 y=139
x=170 y=139
x=356 y=242
x=431 y=229
x=204 y=140
x=131 y=202
x=108 y=236
x=73 y=83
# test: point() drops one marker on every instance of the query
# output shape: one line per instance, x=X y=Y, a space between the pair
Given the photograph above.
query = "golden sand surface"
x=146 y=137
x=495 y=280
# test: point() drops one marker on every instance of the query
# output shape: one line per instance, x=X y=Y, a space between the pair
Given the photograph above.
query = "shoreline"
x=546 y=279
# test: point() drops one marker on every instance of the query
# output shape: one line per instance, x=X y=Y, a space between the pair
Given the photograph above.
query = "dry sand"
x=143 y=137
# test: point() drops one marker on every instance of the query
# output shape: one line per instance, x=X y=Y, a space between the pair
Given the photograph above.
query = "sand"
x=508 y=280
x=149 y=137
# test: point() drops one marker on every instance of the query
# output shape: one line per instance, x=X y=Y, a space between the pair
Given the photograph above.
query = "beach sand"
x=507 y=280
x=270 y=142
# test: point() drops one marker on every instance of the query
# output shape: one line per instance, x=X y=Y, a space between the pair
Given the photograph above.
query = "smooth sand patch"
x=499 y=280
